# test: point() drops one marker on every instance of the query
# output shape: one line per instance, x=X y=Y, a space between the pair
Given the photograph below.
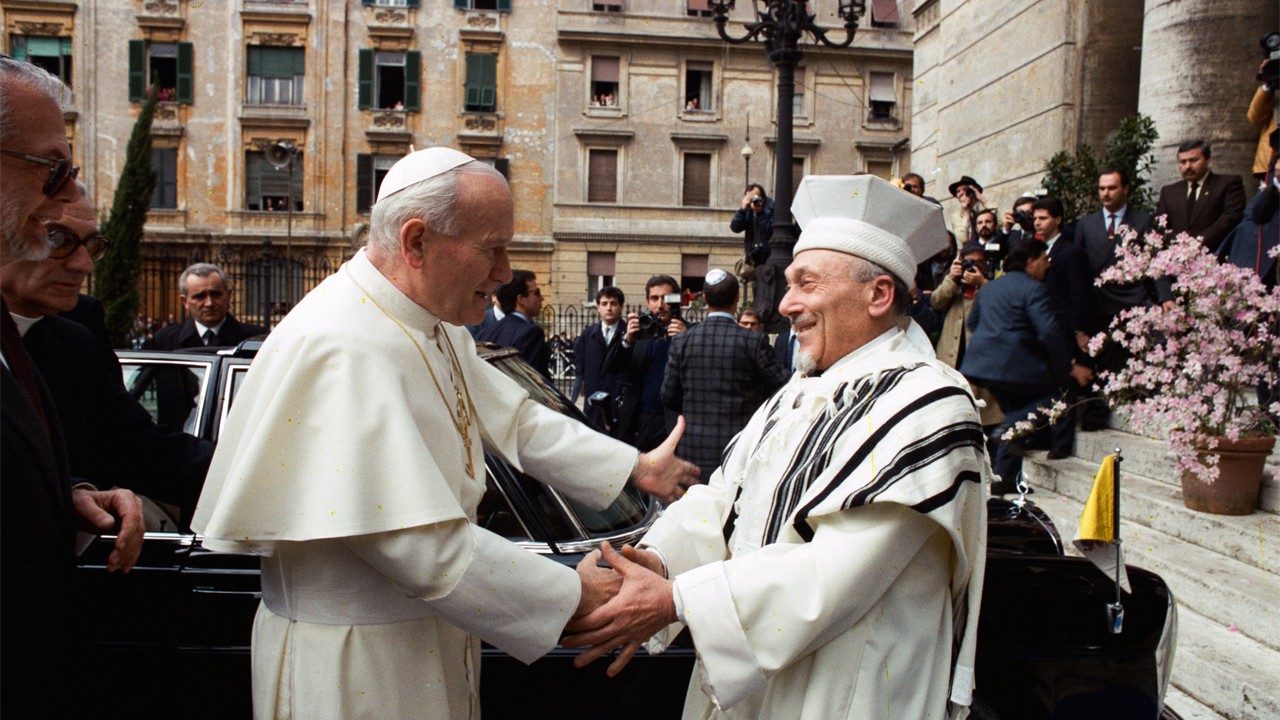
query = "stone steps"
x=1227 y=659
x=1187 y=707
x=1150 y=458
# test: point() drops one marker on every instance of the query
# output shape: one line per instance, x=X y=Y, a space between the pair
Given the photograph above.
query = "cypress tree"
x=115 y=279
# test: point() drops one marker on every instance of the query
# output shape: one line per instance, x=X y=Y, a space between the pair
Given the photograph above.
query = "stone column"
x=1199 y=59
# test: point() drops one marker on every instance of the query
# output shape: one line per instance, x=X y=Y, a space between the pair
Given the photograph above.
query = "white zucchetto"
x=865 y=216
x=418 y=166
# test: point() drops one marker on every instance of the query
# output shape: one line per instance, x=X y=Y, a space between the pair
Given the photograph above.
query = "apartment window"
x=165 y=67
x=275 y=75
x=607 y=5
x=604 y=81
x=390 y=80
x=482 y=82
x=165 y=163
x=698 y=96
x=696 y=190
x=698 y=8
x=693 y=273
x=267 y=189
x=51 y=53
x=502 y=165
x=601 y=267
x=370 y=170
x=602 y=176
x=882 y=169
x=501 y=5
x=884 y=13
x=883 y=98
x=797 y=101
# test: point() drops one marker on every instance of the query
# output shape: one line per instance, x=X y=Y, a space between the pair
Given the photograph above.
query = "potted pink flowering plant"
x=1196 y=365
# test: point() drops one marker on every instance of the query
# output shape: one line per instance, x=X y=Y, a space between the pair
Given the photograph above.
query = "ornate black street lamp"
x=781 y=24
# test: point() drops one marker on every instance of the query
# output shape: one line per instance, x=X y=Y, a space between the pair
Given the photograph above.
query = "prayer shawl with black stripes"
x=833 y=565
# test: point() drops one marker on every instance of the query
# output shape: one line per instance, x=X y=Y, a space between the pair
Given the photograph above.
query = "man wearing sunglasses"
x=39 y=510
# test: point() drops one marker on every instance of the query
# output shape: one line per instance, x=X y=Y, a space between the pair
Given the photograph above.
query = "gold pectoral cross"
x=464 y=429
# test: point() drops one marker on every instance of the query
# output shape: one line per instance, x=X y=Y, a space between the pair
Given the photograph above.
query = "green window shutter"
x=461 y=4
x=18 y=48
x=364 y=182
x=299 y=60
x=412 y=80
x=255 y=61
x=364 y=96
x=415 y=3
x=186 y=74
x=366 y=3
x=504 y=5
x=473 y=84
x=137 y=70
x=489 y=82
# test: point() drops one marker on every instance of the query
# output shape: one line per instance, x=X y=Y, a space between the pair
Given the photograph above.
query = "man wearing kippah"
x=353 y=463
x=832 y=567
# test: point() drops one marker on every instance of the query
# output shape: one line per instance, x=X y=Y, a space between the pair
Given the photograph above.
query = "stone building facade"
x=337 y=90
x=1001 y=86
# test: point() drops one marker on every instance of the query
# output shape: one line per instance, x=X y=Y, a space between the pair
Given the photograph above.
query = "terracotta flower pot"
x=1240 y=466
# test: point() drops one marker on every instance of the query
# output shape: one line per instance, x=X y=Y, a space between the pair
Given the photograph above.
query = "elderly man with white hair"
x=832 y=567
x=353 y=462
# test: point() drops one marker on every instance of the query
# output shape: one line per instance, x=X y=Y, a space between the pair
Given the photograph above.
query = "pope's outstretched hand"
x=663 y=475
x=643 y=606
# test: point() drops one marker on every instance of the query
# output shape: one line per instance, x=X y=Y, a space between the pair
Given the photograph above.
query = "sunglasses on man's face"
x=60 y=171
x=63 y=242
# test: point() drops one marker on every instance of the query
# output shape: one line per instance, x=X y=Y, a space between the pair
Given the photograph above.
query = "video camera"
x=651 y=323
x=1270 y=74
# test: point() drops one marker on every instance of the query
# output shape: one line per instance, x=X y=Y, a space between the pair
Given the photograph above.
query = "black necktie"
x=24 y=371
x=1191 y=200
x=209 y=336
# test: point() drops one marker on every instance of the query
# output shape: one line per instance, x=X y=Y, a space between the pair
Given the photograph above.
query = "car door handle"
x=255 y=594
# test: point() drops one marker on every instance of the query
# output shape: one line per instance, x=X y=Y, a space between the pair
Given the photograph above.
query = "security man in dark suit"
x=521 y=301
x=1018 y=349
x=206 y=293
x=642 y=360
x=591 y=347
x=1203 y=203
x=717 y=375
x=40 y=511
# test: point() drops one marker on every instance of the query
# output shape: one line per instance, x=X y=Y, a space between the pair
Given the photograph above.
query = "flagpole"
x=1115 y=611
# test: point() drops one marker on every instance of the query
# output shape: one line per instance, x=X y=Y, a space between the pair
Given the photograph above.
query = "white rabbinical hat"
x=865 y=216
x=418 y=166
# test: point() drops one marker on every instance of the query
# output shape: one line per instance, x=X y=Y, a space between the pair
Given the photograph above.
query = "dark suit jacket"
x=37 y=558
x=183 y=335
x=523 y=335
x=489 y=321
x=1250 y=244
x=1217 y=211
x=782 y=349
x=1014 y=335
x=589 y=351
x=1067 y=285
x=717 y=375
x=111 y=439
x=90 y=313
x=1100 y=253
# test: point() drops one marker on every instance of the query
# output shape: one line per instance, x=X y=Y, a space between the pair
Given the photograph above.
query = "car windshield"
x=627 y=511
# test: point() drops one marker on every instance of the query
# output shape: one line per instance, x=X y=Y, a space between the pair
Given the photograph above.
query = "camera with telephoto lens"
x=1270 y=74
x=1025 y=221
x=651 y=323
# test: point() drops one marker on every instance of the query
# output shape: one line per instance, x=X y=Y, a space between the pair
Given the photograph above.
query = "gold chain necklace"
x=464 y=408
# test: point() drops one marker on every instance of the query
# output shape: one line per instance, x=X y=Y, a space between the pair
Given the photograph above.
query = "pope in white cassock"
x=832 y=567
x=353 y=463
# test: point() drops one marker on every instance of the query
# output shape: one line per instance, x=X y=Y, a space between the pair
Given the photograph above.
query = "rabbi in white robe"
x=832 y=567
x=353 y=462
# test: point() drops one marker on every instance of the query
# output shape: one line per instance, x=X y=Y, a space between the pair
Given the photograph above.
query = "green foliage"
x=1073 y=177
x=115 y=279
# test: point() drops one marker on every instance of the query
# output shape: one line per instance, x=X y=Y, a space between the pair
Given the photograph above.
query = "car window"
x=496 y=515
x=173 y=392
x=627 y=511
x=235 y=375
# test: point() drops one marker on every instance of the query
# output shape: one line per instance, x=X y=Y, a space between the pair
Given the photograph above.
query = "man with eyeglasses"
x=206 y=293
x=521 y=301
x=40 y=511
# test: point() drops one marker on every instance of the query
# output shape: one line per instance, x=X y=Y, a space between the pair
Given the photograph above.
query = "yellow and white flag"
x=1097 y=534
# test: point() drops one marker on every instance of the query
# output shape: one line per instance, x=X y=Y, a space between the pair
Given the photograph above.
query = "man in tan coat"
x=953 y=298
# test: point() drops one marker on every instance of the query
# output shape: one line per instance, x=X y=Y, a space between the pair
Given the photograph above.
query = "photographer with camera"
x=968 y=192
x=755 y=217
x=1018 y=225
x=1262 y=109
x=953 y=299
x=641 y=358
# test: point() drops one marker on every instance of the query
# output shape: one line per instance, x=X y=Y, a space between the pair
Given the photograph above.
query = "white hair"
x=864 y=271
x=434 y=201
x=201 y=269
x=15 y=74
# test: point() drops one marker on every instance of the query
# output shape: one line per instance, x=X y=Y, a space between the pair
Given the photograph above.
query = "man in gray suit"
x=717 y=375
